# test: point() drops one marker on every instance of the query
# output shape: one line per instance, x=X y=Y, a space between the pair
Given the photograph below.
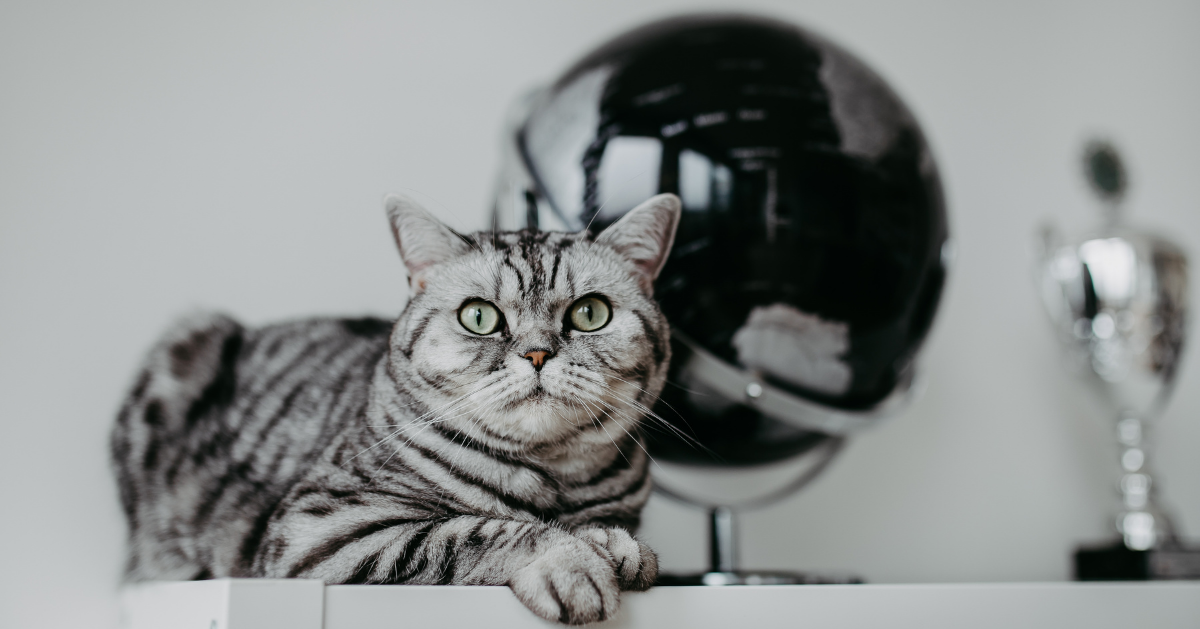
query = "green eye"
x=589 y=314
x=479 y=317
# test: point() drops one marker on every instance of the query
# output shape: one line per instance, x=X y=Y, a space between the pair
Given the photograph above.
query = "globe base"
x=744 y=577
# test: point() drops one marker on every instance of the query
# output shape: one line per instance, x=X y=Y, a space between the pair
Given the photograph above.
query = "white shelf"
x=304 y=604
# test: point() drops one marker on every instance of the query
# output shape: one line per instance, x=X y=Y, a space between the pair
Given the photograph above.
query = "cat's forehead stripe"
x=526 y=255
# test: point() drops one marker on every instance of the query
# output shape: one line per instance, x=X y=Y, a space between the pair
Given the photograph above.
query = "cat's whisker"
x=662 y=422
x=684 y=389
x=432 y=421
x=598 y=423
x=421 y=426
x=631 y=435
x=440 y=408
x=383 y=465
x=634 y=385
x=401 y=428
x=479 y=388
x=656 y=400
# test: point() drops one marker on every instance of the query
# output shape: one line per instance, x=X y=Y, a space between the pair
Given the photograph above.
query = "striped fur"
x=362 y=451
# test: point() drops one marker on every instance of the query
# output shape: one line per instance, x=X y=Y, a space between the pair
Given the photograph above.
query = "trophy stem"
x=1142 y=524
x=1149 y=547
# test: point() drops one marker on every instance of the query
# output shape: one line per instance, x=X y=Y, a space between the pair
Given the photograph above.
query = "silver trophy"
x=1117 y=296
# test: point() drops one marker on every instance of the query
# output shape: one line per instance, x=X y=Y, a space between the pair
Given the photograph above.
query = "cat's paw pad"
x=635 y=563
x=571 y=583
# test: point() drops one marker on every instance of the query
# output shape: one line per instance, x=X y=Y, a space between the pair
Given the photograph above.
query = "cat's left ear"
x=644 y=236
x=422 y=239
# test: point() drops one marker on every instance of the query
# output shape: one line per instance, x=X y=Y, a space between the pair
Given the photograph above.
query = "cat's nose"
x=539 y=357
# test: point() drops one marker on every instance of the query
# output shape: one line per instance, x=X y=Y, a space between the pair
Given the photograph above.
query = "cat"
x=490 y=436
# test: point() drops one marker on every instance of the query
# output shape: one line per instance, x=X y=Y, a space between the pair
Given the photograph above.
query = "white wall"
x=232 y=155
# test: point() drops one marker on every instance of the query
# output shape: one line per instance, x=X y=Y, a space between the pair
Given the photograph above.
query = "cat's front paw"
x=571 y=582
x=635 y=563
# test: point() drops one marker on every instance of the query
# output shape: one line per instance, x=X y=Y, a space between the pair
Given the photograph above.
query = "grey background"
x=158 y=157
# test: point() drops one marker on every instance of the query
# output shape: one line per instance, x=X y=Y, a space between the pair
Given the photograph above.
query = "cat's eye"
x=479 y=317
x=589 y=314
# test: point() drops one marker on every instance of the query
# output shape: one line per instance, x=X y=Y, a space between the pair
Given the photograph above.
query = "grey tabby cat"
x=490 y=436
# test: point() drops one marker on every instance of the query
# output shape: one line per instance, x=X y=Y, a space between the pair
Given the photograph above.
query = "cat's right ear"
x=422 y=239
x=644 y=236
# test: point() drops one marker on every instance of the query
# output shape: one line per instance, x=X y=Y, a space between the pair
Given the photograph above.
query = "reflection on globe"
x=808 y=264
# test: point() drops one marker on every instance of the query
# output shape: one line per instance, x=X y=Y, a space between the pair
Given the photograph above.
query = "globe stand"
x=722 y=535
x=722 y=560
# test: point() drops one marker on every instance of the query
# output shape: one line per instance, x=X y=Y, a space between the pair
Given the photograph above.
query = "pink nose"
x=538 y=357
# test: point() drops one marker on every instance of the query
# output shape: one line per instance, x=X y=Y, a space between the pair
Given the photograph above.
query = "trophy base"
x=1115 y=562
x=743 y=577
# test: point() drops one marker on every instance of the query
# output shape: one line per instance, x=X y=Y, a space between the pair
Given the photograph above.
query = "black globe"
x=810 y=253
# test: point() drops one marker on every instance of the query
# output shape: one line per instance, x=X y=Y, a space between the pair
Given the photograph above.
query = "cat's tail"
x=190 y=372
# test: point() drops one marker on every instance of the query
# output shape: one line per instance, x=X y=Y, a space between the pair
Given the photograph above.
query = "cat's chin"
x=538 y=418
